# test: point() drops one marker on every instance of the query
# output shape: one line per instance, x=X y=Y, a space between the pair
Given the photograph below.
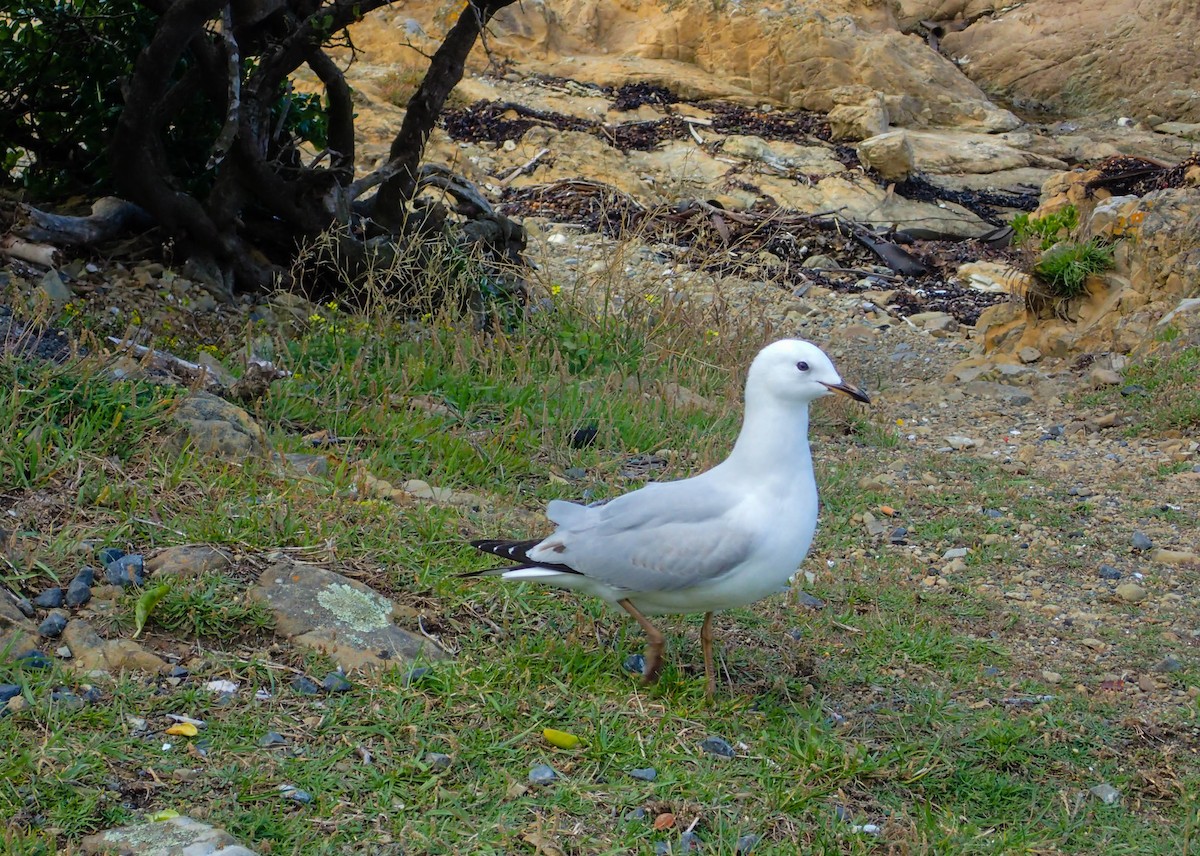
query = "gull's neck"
x=773 y=442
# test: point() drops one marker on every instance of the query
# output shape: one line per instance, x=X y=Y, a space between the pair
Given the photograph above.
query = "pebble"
x=1168 y=664
x=1106 y=793
x=8 y=691
x=1131 y=592
x=25 y=606
x=415 y=675
x=117 y=574
x=575 y=473
x=689 y=842
x=958 y=442
x=662 y=848
x=638 y=813
x=178 y=672
x=542 y=774
x=899 y=535
x=131 y=567
x=635 y=663
x=1133 y=389
x=66 y=699
x=1108 y=572
x=955 y=553
x=806 y=599
x=51 y=598
x=646 y=774
x=745 y=844
x=78 y=592
x=293 y=793
x=438 y=761
x=335 y=682
x=583 y=437
x=53 y=626
x=1175 y=557
x=272 y=738
x=717 y=746
x=1141 y=542
x=1051 y=677
x=796 y=634
x=305 y=685
x=33 y=659
x=108 y=555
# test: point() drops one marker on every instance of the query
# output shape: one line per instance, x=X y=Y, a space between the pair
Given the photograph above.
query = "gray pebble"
x=635 y=663
x=8 y=691
x=990 y=671
x=117 y=575
x=78 y=592
x=66 y=699
x=108 y=555
x=51 y=598
x=746 y=843
x=415 y=675
x=53 y=626
x=662 y=848
x=689 y=843
x=25 y=606
x=842 y=813
x=575 y=473
x=290 y=792
x=33 y=659
x=806 y=599
x=1141 y=542
x=272 y=738
x=646 y=774
x=335 y=682
x=542 y=774
x=305 y=685
x=86 y=575
x=1106 y=793
x=1108 y=572
x=1168 y=664
x=438 y=761
x=993 y=513
x=796 y=634
x=633 y=814
x=717 y=746
x=178 y=672
x=131 y=567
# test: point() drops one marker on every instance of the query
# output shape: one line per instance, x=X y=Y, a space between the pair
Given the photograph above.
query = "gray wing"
x=658 y=538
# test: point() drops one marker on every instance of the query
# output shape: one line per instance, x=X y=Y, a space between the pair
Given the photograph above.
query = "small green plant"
x=1066 y=266
x=214 y=607
x=1046 y=230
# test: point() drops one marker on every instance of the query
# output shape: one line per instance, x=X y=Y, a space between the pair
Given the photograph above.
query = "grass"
x=1160 y=393
x=1066 y=266
x=893 y=708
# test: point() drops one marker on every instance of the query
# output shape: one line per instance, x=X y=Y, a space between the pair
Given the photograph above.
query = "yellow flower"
x=711 y=334
x=556 y=290
x=650 y=298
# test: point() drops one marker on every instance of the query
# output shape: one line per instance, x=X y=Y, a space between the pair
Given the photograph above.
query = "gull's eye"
x=803 y=366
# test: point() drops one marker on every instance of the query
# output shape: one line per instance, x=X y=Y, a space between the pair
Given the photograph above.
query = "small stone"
x=1108 y=572
x=583 y=437
x=745 y=844
x=575 y=473
x=415 y=675
x=796 y=634
x=689 y=842
x=1092 y=644
x=991 y=672
x=1175 y=557
x=33 y=659
x=542 y=774
x=1051 y=677
x=78 y=592
x=633 y=814
x=305 y=685
x=335 y=682
x=108 y=555
x=63 y=652
x=1133 y=389
x=51 y=598
x=24 y=606
x=1168 y=664
x=645 y=774
x=1029 y=354
x=8 y=691
x=1141 y=542
x=635 y=663
x=959 y=442
x=955 y=553
x=131 y=568
x=53 y=626
x=438 y=761
x=806 y=599
x=86 y=575
x=717 y=746
x=1104 y=377
x=272 y=738
x=66 y=699
x=1131 y=592
x=662 y=848
x=293 y=793
x=899 y=535
x=1106 y=793
x=178 y=672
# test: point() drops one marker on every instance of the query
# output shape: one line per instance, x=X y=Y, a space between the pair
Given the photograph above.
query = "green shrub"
x=1046 y=230
x=1066 y=266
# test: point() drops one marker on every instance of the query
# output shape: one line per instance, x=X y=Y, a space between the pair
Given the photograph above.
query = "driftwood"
x=110 y=218
x=250 y=387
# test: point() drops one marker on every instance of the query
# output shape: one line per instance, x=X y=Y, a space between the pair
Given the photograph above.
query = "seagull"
x=722 y=539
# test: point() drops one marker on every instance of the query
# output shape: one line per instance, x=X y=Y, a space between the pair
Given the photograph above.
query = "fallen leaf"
x=664 y=821
x=183 y=729
x=542 y=845
x=561 y=739
x=145 y=605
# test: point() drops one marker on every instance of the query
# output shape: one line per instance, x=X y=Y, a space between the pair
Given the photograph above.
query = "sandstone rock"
x=889 y=154
x=858 y=121
x=189 y=561
x=91 y=653
x=343 y=618
x=994 y=278
x=1175 y=557
x=175 y=836
x=17 y=633
x=1060 y=54
x=957 y=151
x=215 y=427
x=811 y=160
x=1187 y=130
x=1104 y=377
x=1029 y=355
x=1131 y=592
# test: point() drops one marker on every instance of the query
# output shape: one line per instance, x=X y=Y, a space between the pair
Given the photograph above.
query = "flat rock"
x=338 y=616
x=1175 y=557
x=189 y=561
x=176 y=836
x=998 y=391
x=17 y=633
x=92 y=653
